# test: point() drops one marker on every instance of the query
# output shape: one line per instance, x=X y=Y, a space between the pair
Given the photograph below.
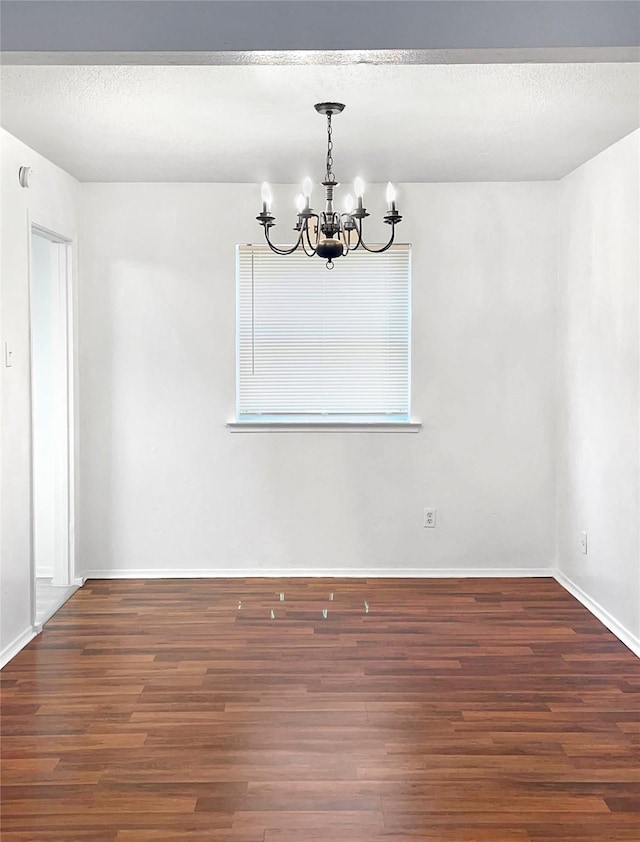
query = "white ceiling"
x=252 y=123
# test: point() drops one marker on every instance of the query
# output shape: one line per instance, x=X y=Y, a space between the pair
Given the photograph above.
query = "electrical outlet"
x=583 y=542
x=430 y=518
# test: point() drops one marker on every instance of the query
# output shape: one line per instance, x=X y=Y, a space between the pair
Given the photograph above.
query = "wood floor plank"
x=487 y=710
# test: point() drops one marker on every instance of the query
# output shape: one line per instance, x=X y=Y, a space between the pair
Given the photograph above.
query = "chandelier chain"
x=329 y=175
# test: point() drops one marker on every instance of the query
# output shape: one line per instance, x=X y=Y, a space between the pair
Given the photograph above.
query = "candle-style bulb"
x=300 y=202
x=267 y=198
x=391 y=193
x=307 y=187
x=358 y=187
x=348 y=203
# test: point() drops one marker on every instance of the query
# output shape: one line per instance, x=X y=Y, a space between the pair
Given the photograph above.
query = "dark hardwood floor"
x=472 y=710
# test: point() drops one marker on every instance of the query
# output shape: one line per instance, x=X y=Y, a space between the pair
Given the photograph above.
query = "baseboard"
x=10 y=651
x=64 y=595
x=329 y=572
x=44 y=573
x=624 y=635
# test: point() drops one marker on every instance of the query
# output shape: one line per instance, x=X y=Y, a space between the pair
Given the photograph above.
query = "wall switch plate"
x=430 y=518
x=583 y=542
x=8 y=356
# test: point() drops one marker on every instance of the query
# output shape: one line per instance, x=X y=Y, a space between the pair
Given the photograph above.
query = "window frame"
x=316 y=422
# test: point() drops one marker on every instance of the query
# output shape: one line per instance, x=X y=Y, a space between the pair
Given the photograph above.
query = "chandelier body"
x=329 y=234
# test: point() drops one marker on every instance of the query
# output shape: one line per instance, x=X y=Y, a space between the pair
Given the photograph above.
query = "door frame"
x=64 y=414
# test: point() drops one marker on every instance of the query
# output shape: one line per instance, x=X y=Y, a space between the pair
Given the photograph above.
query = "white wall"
x=50 y=202
x=168 y=489
x=599 y=429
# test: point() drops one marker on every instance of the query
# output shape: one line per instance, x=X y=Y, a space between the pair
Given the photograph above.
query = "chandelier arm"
x=344 y=236
x=346 y=240
x=358 y=231
x=311 y=246
x=362 y=243
x=311 y=251
x=278 y=249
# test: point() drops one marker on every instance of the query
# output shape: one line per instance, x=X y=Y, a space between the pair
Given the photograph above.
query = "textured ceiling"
x=253 y=123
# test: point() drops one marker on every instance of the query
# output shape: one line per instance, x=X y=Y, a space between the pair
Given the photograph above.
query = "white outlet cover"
x=430 y=518
x=583 y=542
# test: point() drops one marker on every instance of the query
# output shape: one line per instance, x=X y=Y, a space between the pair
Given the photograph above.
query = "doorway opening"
x=51 y=424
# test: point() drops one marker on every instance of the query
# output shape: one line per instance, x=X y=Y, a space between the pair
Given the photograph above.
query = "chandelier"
x=329 y=234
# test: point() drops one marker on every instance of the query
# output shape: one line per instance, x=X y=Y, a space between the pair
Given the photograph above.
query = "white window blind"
x=320 y=345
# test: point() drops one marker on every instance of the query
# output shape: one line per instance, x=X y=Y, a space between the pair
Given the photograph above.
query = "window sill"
x=328 y=427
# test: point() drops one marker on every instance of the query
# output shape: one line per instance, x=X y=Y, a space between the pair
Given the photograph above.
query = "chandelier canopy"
x=329 y=234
